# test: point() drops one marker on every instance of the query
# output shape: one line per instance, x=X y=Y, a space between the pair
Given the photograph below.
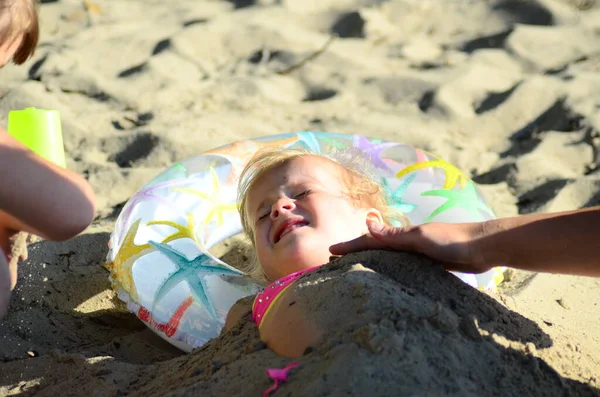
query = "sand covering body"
x=159 y=259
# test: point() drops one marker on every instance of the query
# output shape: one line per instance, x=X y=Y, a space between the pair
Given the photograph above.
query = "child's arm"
x=38 y=197
x=565 y=242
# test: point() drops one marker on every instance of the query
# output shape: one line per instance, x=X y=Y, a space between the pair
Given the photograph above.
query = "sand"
x=505 y=90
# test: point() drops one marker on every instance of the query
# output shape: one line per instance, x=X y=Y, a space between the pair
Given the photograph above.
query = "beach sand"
x=505 y=90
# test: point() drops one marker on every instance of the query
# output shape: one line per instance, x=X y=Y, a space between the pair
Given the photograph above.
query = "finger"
x=396 y=238
x=362 y=243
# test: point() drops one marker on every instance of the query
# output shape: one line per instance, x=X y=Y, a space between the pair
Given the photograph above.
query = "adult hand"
x=454 y=245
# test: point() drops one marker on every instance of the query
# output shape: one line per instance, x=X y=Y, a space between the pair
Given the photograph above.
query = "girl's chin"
x=307 y=265
x=294 y=268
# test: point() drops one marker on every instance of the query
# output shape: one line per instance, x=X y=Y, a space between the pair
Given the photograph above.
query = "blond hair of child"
x=362 y=188
x=19 y=23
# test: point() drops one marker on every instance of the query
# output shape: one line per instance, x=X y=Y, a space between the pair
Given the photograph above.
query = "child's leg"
x=5 y=284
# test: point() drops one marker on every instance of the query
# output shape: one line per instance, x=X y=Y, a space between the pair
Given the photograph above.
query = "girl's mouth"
x=287 y=227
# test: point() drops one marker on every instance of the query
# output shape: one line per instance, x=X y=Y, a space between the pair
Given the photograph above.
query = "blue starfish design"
x=191 y=271
x=373 y=150
x=399 y=193
x=309 y=140
x=466 y=198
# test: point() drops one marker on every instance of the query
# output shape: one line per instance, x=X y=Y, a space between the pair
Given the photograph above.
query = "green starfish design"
x=466 y=198
x=336 y=143
x=215 y=200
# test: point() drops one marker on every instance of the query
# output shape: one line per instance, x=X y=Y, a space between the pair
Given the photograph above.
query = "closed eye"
x=302 y=195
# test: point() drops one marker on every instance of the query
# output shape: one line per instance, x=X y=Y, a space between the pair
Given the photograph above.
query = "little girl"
x=294 y=205
x=36 y=196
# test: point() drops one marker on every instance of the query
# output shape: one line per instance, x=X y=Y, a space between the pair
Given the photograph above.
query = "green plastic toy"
x=40 y=130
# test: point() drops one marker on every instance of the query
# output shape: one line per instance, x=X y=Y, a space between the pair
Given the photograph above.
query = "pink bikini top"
x=264 y=301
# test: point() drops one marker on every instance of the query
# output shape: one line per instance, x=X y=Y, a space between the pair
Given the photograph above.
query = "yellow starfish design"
x=182 y=231
x=453 y=174
x=217 y=206
x=279 y=143
x=236 y=149
x=121 y=266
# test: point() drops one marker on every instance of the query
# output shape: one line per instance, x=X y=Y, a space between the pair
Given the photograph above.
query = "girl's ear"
x=374 y=215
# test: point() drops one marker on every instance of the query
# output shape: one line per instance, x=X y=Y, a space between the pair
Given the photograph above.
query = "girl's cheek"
x=259 y=232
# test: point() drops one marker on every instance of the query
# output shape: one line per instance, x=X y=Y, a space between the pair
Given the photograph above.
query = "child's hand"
x=454 y=245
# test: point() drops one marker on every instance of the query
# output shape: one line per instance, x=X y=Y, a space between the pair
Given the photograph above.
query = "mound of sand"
x=396 y=324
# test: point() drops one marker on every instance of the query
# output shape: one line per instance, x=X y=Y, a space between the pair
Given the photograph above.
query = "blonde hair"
x=19 y=19
x=362 y=188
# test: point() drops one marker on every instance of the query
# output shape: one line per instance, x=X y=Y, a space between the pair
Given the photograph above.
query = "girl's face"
x=8 y=49
x=298 y=210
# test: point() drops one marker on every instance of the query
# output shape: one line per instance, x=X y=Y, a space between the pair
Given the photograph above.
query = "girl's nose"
x=282 y=205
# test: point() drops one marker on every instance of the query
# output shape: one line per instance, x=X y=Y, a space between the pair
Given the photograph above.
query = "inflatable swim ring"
x=159 y=259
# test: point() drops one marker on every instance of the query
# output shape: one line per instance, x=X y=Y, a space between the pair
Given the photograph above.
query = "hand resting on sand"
x=562 y=242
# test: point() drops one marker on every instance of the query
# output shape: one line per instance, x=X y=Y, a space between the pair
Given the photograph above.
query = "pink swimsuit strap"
x=264 y=301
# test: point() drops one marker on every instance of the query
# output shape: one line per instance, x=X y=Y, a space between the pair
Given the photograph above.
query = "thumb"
x=396 y=238
x=380 y=229
x=376 y=227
